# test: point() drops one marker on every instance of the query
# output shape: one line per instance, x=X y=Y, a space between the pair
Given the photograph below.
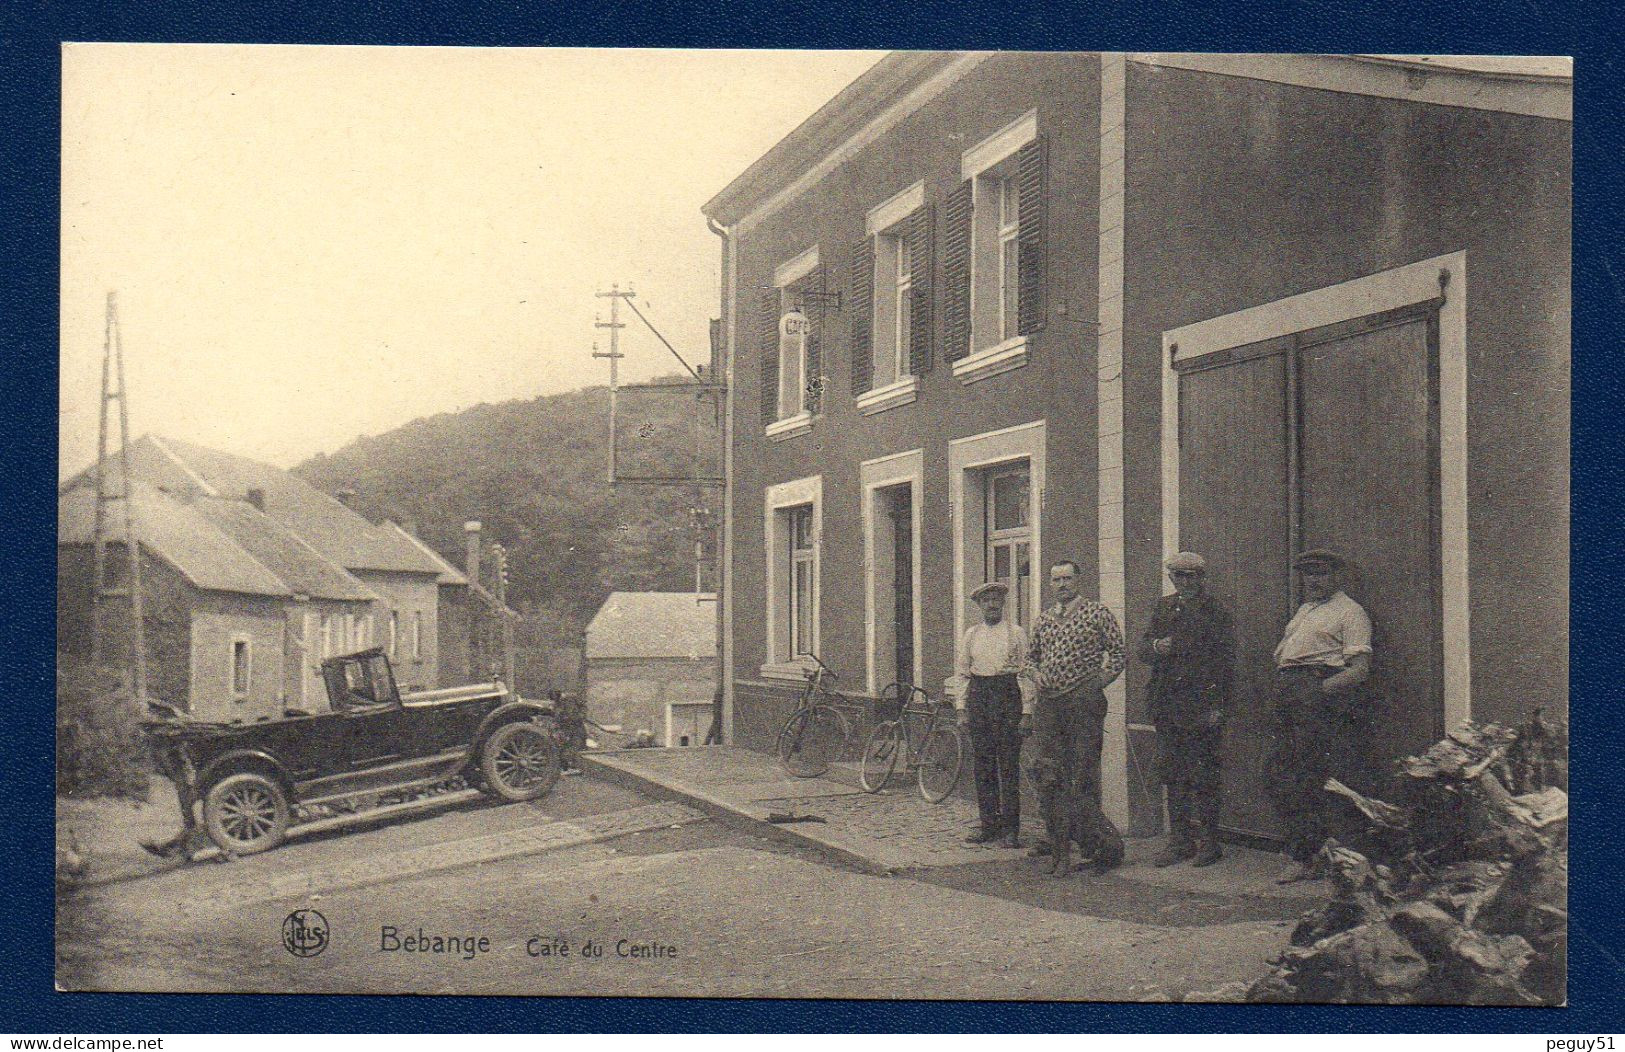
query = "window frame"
x=239 y=640
x=1013 y=538
x=891 y=309
x=798 y=421
x=779 y=501
x=989 y=165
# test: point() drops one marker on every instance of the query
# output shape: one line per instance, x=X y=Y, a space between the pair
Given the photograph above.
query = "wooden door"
x=1233 y=509
x=1368 y=405
x=1324 y=438
x=902 y=519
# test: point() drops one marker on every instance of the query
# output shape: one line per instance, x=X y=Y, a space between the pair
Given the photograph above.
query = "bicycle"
x=817 y=731
x=940 y=758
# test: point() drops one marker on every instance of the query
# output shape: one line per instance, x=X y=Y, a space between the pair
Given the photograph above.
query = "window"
x=394 y=630
x=1007 y=534
x=240 y=669
x=994 y=252
x=890 y=297
x=791 y=526
x=327 y=635
x=416 y=639
x=791 y=381
x=803 y=575
x=1009 y=258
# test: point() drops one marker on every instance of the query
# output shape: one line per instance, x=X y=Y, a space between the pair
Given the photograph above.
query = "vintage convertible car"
x=254 y=779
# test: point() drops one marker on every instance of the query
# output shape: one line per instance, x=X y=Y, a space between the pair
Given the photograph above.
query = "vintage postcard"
x=951 y=525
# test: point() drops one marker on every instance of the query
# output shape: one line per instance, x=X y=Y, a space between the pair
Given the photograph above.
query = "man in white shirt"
x=1315 y=733
x=996 y=706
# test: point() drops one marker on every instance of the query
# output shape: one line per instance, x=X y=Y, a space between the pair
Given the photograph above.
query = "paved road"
x=681 y=906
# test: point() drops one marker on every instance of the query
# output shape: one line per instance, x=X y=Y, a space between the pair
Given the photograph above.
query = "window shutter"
x=1031 y=171
x=921 y=226
x=767 y=334
x=862 y=288
x=956 y=273
x=814 y=379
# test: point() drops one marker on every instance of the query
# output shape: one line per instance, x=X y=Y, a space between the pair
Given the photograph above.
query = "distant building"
x=652 y=664
x=251 y=578
x=987 y=311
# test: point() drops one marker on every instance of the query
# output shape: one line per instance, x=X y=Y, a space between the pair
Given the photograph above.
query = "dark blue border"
x=30 y=32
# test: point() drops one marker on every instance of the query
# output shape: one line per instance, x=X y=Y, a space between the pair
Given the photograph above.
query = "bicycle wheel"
x=942 y=757
x=880 y=755
x=811 y=740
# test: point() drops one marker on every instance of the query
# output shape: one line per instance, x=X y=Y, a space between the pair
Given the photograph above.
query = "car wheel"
x=520 y=761
x=246 y=813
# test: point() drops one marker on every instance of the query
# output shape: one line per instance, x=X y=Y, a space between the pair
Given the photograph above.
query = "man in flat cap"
x=1190 y=646
x=996 y=708
x=1323 y=657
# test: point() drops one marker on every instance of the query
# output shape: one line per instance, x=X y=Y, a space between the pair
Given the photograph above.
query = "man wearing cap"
x=1076 y=651
x=994 y=706
x=1190 y=646
x=1323 y=657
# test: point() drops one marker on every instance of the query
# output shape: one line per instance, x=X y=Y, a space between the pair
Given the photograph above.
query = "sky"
x=309 y=244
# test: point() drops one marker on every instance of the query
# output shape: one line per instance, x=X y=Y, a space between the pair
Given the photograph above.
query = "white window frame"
x=327 y=636
x=994 y=538
x=987 y=165
x=893 y=287
x=240 y=640
x=417 y=635
x=877 y=475
x=968 y=458
x=394 y=631
x=776 y=503
x=794 y=418
x=1384 y=290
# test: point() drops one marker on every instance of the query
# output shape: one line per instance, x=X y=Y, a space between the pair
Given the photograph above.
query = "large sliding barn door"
x=1326 y=438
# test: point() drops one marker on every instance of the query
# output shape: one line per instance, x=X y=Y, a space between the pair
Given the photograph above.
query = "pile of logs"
x=1455 y=894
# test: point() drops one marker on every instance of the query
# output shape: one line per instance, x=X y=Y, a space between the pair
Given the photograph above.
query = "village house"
x=987 y=311
x=251 y=578
x=652 y=665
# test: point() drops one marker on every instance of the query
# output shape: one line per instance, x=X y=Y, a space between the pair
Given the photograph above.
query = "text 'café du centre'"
x=987 y=311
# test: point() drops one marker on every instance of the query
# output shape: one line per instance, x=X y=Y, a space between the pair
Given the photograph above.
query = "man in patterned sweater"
x=1076 y=651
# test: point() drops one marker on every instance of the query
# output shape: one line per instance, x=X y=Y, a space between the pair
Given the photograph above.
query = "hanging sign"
x=793 y=323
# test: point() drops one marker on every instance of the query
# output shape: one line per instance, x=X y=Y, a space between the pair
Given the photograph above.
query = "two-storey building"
x=987 y=311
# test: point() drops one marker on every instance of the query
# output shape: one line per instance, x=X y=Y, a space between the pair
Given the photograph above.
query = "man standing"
x=1323 y=657
x=1190 y=645
x=992 y=704
x=1076 y=651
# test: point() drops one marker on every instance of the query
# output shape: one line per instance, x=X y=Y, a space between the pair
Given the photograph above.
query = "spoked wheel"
x=942 y=757
x=880 y=755
x=811 y=740
x=246 y=813
x=520 y=761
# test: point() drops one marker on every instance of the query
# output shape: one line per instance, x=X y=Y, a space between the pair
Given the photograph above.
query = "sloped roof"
x=654 y=625
x=449 y=574
x=338 y=533
x=300 y=567
x=178 y=534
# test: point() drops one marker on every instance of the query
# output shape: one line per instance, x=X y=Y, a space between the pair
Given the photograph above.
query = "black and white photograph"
x=1072 y=526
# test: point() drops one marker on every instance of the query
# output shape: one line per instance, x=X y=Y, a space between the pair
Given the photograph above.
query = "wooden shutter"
x=1031 y=165
x=814 y=378
x=921 y=228
x=861 y=285
x=956 y=273
x=767 y=335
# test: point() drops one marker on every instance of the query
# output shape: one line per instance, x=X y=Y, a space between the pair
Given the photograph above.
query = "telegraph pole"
x=106 y=587
x=614 y=325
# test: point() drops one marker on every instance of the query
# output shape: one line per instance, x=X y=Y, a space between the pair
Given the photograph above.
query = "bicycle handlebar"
x=810 y=673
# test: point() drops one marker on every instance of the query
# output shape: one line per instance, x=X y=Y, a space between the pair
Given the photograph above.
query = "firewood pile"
x=1456 y=894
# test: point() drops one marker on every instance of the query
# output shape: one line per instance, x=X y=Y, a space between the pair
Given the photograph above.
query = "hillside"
x=535 y=474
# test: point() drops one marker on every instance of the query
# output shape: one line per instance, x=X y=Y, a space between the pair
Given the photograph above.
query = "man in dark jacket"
x=1190 y=645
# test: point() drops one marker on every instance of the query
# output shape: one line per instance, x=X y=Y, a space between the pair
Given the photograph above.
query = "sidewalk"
x=897 y=829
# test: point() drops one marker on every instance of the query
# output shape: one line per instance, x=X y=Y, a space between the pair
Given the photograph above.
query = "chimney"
x=256 y=497
x=471 y=537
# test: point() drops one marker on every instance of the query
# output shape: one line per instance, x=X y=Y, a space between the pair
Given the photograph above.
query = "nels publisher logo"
x=304 y=933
